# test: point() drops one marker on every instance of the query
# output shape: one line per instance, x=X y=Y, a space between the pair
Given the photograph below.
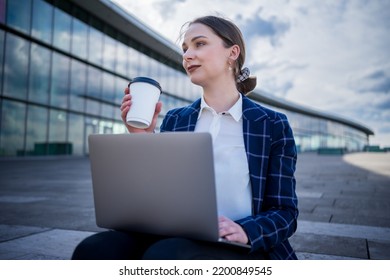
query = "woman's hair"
x=230 y=35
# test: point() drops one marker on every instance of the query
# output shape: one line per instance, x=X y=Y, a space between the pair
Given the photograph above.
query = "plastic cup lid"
x=146 y=80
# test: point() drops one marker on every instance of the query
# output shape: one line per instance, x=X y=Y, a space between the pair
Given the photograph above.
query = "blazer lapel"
x=256 y=131
x=186 y=120
x=254 y=126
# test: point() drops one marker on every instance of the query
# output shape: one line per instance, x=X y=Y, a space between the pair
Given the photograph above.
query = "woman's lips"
x=192 y=68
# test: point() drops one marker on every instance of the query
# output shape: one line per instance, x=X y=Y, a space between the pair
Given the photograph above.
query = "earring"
x=230 y=66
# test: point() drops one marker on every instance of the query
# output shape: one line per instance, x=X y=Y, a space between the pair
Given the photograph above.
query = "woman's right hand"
x=125 y=107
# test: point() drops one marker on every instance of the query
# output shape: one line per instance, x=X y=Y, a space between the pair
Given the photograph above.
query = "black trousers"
x=118 y=245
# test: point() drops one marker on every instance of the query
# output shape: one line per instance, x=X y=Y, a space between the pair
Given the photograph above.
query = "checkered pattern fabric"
x=244 y=74
x=272 y=156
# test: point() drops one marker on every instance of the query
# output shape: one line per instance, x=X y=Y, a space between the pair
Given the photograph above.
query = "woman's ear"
x=234 y=52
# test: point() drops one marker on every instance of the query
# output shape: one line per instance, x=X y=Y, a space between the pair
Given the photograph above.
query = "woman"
x=254 y=153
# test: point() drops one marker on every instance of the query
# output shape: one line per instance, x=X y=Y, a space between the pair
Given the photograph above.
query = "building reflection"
x=63 y=71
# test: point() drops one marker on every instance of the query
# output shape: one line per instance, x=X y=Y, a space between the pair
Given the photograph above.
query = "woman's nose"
x=188 y=55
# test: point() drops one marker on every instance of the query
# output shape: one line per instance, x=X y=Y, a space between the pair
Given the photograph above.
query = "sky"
x=328 y=55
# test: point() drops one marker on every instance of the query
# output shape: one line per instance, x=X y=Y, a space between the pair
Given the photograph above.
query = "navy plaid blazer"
x=272 y=155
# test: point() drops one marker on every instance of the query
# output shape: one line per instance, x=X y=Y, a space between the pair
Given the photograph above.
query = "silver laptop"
x=159 y=183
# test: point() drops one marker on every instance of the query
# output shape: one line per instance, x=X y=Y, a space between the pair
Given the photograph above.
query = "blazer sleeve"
x=277 y=219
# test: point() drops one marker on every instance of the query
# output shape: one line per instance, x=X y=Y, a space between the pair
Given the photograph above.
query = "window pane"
x=18 y=14
x=144 y=65
x=105 y=127
x=59 y=81
x=76 y=133
x=118 y=127
x=121 y=59
x=78 y=77
x=2 y=11
x=1 y=58
x=120 y=85
x=133 y=62
x=109 y=53
x=164 y=81
x=12 y=128
x=95 y=46
x=36 y=130
x=80 y=37
x=39 y=73
x=62 y=24
x=42 y=20
x=108 y=94
x=15 y=67
x=108 y=87
x=93 y=90
x=57 y=126
x=91 y=127
x=155 y=69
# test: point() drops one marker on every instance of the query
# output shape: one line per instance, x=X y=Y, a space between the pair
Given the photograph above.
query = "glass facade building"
x=64 y=65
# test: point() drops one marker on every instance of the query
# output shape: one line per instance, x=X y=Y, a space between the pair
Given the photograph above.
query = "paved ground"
x=46 y=207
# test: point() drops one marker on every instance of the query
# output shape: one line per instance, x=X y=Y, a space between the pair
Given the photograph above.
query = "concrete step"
x=312 y=241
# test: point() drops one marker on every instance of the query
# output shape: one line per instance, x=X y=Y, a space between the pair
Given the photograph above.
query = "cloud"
x=377 y=81
x=271 y=28
x=385 y=128
x=279 y=88
x=168 y=8
x=329 y=55
x=268 y=79
x=385 y=106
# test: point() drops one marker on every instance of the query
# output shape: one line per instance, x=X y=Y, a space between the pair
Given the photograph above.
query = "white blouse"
x=234 y=197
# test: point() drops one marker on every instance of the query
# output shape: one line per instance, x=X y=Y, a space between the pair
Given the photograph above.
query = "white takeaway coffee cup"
x=145 y=93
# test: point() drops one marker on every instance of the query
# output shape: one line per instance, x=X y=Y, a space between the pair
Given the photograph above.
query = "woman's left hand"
x=231 y=230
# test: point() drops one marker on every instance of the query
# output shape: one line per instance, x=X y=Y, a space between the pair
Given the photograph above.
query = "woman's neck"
x=221 y=98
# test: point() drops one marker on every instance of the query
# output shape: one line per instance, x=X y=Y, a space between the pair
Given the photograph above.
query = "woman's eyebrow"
x=194 y=38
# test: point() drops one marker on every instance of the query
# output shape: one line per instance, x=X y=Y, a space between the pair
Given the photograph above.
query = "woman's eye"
x=198 y=44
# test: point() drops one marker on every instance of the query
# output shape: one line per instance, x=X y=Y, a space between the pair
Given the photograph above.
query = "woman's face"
x=205 y=58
